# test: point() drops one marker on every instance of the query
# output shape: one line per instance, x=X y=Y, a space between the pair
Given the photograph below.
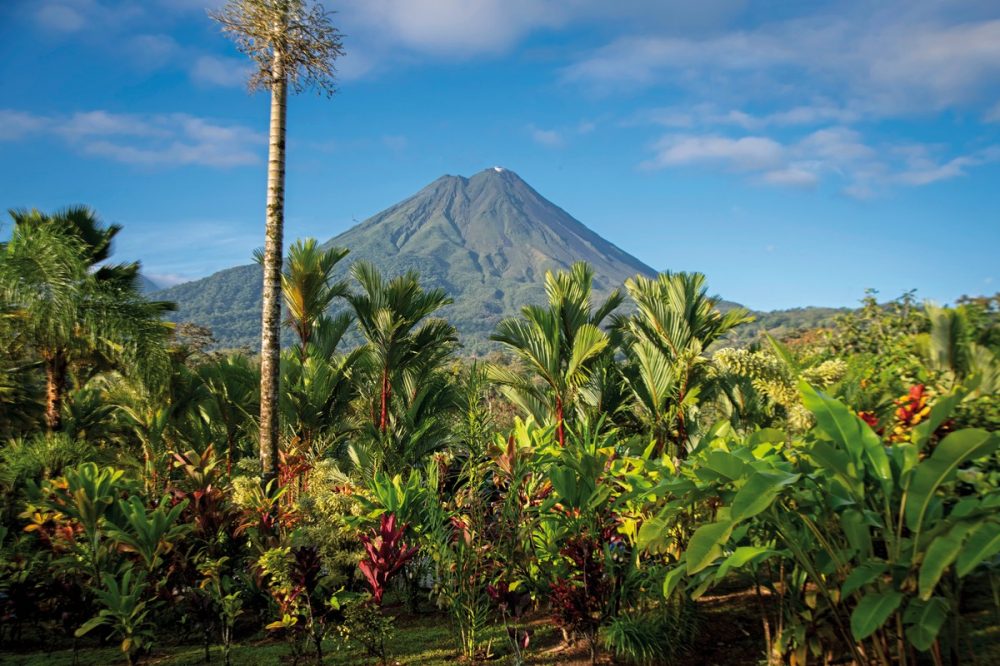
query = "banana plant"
x=876 y=530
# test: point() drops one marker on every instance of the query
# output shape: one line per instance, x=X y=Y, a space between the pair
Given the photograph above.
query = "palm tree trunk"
x=384 y=421
x=229 y=455
x=560 y=434
x=55 y=383
x=270 y=342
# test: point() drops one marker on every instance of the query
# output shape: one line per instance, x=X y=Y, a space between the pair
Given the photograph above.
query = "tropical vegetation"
x=608 y=488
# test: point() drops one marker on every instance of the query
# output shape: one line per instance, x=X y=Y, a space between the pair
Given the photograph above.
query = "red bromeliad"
x=386 y=554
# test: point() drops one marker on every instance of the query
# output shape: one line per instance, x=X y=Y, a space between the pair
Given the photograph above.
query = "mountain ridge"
x=487 y=239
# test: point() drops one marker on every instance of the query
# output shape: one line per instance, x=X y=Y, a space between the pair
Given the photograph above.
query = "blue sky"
x=797 y=153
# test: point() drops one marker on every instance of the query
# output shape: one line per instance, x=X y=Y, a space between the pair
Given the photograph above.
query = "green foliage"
x=665 y=342
x=365 y=625
x=864 y=511
x=845 y=481
x=149 y=534
x=559 y=344
x=651 y=637
x=124 y=613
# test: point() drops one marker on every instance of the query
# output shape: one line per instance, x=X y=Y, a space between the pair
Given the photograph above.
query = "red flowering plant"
x=208 y=508
x=914 y=409
x=387 y=554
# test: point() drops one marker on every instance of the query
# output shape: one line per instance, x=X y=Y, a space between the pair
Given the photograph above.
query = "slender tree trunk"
x=229 y=455
x=55 y=383
x=384 y=420
x=270 y=343
x=560 y=434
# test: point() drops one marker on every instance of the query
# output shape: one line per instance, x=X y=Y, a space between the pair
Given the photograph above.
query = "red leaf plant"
x=386 y=554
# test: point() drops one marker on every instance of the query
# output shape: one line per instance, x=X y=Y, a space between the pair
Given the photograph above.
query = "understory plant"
x=866 y=541
x=124 y=613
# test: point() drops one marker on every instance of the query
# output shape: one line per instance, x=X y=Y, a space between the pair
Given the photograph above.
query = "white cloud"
x=646 y=59
x=708 y=115
x=405 y=30
x=452 y=27
x=164 y=280
x=922 y=167
x=77 y=16
x=395 y=142
x=197 y=6
x=162 y=140
x=560 y=137
x=838 y=154
x=211 y=70
x=549 y=138
x=880 y=59
x=15 y=125
x=153 y=50
x=85 y=124
x=791 y=176
x=60 y=17
x=751 y=153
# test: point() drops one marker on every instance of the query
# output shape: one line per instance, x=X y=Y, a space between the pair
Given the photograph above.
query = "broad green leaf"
x=941 y=410
x=564 y=482
x=953 y=451
x=924 y=620
x=783 y=354
x=651 y=533
x=706 y=545
x=90 y=625
x=670 y=581
x=845 y=428
x=938 y=557
x=599 y=496
x=742 y=556
x=857 y=531
x=838 y=463
x=863 y=575
x=701 y=588
x=872 y=612
x=589 y=342
x=758 y=493
x=983 y=543
x=725 y=464
x=765 y=435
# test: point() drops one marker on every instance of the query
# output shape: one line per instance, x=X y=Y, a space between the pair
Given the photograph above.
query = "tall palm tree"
x=560 y=344
x=403 y=342
x=292 y=43
x=64 y=305
x=308 y=289
x=665 y=343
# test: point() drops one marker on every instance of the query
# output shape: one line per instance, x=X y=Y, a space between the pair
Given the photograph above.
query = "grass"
x=729 y=635
x=425 y=640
